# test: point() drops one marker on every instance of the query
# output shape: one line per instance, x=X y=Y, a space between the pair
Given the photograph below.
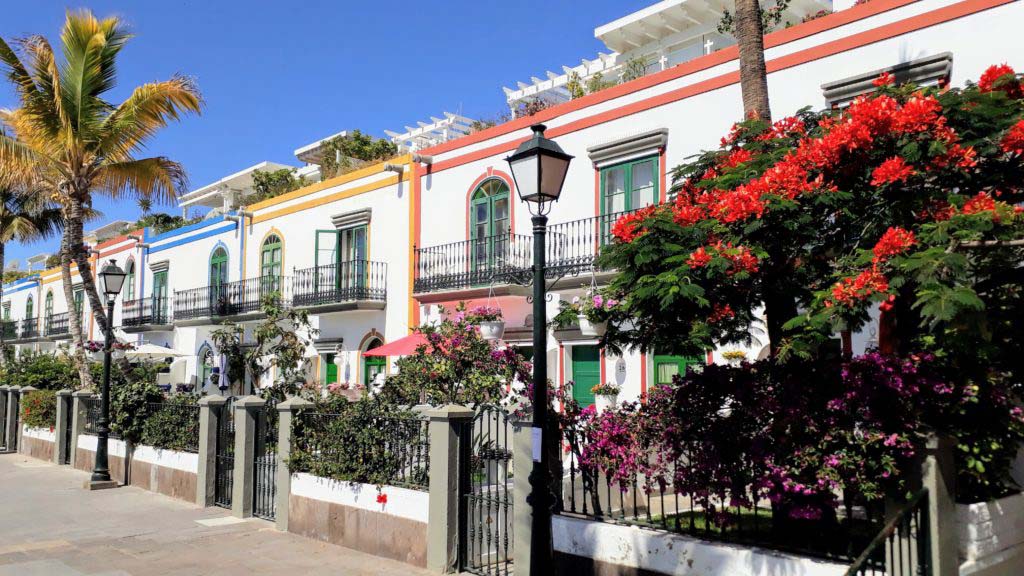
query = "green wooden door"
x=218 y=268
x=490 y=223
x=626 y=187
x=160 y=297
x=352 y=257
x=665 y=367
x=373 y=365
x=28 y=307
x=586 y=373
x=332 y=369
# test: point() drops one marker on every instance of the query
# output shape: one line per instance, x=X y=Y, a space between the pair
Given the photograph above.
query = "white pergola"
x=663 y=35
x=426 y=134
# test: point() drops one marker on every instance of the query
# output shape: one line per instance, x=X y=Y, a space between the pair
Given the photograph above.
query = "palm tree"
x=77 y=144
x=25 y=215
x=753 y=74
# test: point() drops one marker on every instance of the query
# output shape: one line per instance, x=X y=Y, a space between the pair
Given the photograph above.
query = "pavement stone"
x=50 y=526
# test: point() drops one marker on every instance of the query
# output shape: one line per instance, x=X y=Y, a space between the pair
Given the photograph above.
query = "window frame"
x=627 y=192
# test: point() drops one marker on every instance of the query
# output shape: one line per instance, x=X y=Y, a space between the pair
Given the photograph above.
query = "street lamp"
x=539 y=167
x=111 y=279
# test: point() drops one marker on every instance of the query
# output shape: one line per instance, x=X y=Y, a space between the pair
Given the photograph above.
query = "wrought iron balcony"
x=146 y=312
x=472 y=263
x=231 y=298
x=56 y=324
x=350 y=281
x=29 y=328
x=8 y=329
x=571 y=248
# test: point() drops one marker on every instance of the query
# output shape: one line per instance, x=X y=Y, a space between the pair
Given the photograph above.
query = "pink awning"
x=401 y=347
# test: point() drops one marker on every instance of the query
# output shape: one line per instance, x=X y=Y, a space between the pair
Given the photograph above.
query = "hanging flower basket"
x=492 y=329
x=605 y=402
x=588 y=328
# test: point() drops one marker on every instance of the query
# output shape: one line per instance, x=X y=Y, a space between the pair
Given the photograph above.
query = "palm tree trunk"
x=2 y=265
x=71 y=242
x=753 y=74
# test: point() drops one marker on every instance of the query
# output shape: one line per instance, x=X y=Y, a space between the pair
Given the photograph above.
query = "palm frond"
x=16 y=71
x=157 y=178
x=150 y=107
x=90 y=48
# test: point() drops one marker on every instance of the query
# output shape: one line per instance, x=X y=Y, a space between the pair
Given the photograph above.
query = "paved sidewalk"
x=50 y=526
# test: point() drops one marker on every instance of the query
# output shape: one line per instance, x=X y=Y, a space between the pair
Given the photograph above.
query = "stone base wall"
x=37 y=448
x=162 y=471
x=85 y=459
x=349 y=515
x=178 y=484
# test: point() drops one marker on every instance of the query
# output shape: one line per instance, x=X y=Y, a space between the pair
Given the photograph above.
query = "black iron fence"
x=574 y=246
x=674 y=502
x=173 y=425
x=477 y=262
x=231 y=298
x=29 y=328
x=92 y=409
x=380 y=450
x=56 y=324
x=342 y=282
x=146 y=311
x=902 y=547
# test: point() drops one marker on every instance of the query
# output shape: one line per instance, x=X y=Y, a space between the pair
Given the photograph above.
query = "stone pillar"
x=77 y=421
x=247 y=413
x=938 y=475
x=286 y=412
x=13 y=418
x=211 y=410
x=447 y=448
x=522 y=517
x=60 y=449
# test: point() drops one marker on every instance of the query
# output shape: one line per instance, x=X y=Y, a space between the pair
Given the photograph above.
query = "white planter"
x=588 y=328
x=605 y=401
x=492 y=329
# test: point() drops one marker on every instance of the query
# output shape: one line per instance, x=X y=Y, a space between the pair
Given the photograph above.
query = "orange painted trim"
x=604 y=377
x=891 y=30
x=643 y=377
x=119 y=239
x=561 y=365
x=711 y=357
x=329 y=183
x=597 y=191
x=414 y=240
x=662 y=168
x=492 y=174
x=771 y=40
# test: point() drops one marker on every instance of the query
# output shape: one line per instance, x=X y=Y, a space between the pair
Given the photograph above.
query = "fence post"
x=522 y=512
x=60 y=450
x=247 y=413
x=938 y=475
x=285 y=414
x=77 y=421
x=211 y=410
x=13 y=418
x=447 y=424
x=3 y=412
x=25 y=390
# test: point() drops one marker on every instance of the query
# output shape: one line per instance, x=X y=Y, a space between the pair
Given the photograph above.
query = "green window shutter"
x=586 y=373
x=630 y=185
x=332 y=369
x=665 y=367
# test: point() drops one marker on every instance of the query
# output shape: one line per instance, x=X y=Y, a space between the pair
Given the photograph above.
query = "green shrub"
x=39 y=409
x=130 y=396
x=41 y=370
x=175 y=426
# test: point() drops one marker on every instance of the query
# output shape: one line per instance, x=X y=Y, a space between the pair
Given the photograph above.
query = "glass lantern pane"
x=525 y=173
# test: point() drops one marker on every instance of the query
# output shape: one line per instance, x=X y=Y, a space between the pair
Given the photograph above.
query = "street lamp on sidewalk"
x=111 y=279
x=539 y=167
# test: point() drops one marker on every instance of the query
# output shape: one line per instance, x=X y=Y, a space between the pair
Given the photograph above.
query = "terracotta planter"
x=605 y=401
x=588 y=328
x=492 y=329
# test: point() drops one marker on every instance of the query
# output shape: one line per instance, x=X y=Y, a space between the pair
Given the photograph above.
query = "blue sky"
x=278 y=75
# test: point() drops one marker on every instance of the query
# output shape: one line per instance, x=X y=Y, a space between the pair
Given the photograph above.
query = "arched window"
x=373 y=365
x=48 y=311
x=129 y=281
x=29 y=307
x=271 y=256
x=206 y=363
x=490 y=222
x=219 y=267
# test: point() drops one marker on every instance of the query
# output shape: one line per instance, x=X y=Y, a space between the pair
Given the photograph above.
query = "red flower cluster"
x=740 y=257
x=860 y=287
x=630 y=226
x=884 y=79
x=737 y=157
x=720 y=312
x=1013 y=142
x=894 y=241
x=698 y=258
x=1001 y=77
x=382 y=498
x=980 y=203
x=892 y=170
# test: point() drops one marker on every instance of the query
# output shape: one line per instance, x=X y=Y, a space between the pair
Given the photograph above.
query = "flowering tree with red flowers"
x=902 y=208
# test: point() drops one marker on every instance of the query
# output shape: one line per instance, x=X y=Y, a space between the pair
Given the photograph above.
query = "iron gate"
x=68 y=404
x=224 y=474
x=3 y=421
x=485 y=476
x=14 y=403
x=264 y=496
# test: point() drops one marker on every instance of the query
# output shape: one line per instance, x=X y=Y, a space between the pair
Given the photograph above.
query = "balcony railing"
x=571 y=248
x=56 y=324
x=29 y=328
x=342 y=282
x=472 y=263
x=230 y=299
x=8 y=329
x=146 y=311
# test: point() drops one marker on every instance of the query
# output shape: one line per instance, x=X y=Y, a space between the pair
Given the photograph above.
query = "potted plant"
x=734 y=357
x=567 y=315
x=94 y=349
x=594 y=310
x=489 y=320
x=605 y=396
x=118 y=348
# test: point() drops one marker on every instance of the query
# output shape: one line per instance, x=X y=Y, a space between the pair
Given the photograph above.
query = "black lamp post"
x=111 y=279
x=539 y=167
